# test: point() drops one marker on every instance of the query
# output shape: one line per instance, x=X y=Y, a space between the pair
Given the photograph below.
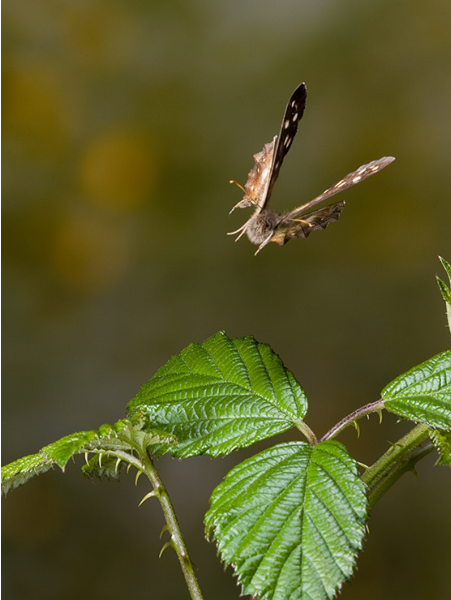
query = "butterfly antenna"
x=242 y=189
x=238 y=184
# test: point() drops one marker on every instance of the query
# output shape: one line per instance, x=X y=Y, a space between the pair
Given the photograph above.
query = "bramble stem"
x=307 y=432
x=399 y=458
x=173 y=527
x=145 y=464
x=352 y=418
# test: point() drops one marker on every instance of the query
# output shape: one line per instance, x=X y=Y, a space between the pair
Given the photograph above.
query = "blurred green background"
x=122 y=124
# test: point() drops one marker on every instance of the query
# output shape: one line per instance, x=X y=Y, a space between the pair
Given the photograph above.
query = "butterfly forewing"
x=351 y=179
x=293 y=114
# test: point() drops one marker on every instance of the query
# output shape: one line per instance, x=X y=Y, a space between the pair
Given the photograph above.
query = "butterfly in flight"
x=265 y=225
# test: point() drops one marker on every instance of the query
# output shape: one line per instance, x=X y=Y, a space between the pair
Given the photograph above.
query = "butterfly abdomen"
x=268 y=226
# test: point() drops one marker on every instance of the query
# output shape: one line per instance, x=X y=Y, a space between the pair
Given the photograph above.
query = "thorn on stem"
x=165 y=546
x=357 y=427
x=147 y=496
x=165 y=528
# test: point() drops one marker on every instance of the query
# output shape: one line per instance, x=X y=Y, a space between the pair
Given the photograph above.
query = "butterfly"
x=265 y=225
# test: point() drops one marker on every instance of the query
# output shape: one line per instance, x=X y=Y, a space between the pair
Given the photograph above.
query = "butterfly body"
x=266 y=226
x=269 y=226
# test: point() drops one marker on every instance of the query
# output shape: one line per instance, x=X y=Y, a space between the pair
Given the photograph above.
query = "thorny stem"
x=352 y=418
x=172 y=526
x=399 y=458
x=145 y=464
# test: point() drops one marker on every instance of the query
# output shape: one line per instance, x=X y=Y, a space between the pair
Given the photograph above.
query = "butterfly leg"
x=263 y=244
x=241 y=230
x=246 y=201
x=303 y=221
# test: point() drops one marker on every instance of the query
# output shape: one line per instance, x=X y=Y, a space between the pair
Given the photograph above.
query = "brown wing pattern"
x=256 y=187
x=351 y=179
x=263 y=175
x=293 y=114
x=288 y=229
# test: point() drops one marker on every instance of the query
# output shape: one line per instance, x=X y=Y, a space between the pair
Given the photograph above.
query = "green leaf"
x=291 y=520
x=20 y=471
x=103 y=466
x=423 y=394
x=445 y=290
x=220 y=395
x=61 y=451
x=108 y=438
x=442 y=441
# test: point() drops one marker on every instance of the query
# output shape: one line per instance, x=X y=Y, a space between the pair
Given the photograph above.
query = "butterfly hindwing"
x=288 y=229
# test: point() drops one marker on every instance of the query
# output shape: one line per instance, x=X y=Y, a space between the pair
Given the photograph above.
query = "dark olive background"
x=123 y=122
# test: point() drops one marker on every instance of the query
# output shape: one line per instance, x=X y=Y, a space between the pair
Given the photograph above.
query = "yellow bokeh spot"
x=89 y=253
x=34 y=103
x=119 y=170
